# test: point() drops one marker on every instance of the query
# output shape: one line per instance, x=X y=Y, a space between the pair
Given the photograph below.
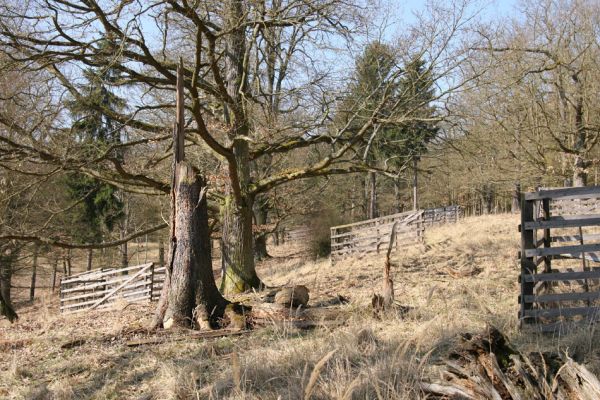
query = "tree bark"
x=191 y=280
x=237 y=252
x=239 y=273
x=190 y=295
x=261 y=212
x=161 y=253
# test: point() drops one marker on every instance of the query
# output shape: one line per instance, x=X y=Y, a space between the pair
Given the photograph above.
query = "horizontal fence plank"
x=587 y=192
x=582 y=248
x=100 y=284
x=369 y=248
x=562 y=312
x=383 y=230
x=124 y=296
x=99 y=294
x=594 y=257
x=575 y=238
x=384 y=237
x=564 y=221
x=561 y=276
x=374 y=220
x=104 y=273
x=553 y=297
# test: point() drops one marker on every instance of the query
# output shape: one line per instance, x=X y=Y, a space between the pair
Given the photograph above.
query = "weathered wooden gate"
x=370 y=236
x=101 y=288
x=560 y=252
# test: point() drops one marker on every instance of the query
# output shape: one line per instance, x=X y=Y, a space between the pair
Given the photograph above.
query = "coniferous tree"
x=101 y=206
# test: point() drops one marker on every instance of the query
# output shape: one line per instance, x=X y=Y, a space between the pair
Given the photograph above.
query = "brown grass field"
x=50 y=356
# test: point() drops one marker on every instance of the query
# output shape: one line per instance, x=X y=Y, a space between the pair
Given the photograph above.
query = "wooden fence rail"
x=368 y=236
x=101 y=288
x=559 y=287
x=441 y=215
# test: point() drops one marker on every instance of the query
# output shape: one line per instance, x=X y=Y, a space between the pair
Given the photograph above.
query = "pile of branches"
x=486 y=366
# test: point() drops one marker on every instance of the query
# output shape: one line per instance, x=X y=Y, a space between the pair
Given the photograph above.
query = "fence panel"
x=372 y=235
x=101 y=288
x=560 y=239
x=441 y=215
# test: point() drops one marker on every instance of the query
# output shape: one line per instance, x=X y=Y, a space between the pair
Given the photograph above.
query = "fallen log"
x=192 y=335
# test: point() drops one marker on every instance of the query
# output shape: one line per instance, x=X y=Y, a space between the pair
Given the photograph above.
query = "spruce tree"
x=101 y=207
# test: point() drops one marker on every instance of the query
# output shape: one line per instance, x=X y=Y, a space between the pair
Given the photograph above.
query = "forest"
x=294 y=199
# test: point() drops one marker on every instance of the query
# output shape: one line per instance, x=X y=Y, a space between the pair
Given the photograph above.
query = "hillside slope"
x=464 y=277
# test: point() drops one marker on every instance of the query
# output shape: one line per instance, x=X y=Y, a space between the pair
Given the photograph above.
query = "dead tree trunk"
x=190 y=295
x=191 y=280
x=386 y=301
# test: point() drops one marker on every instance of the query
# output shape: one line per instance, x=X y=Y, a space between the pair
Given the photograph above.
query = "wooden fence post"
x=151 y=282
x=527 y=264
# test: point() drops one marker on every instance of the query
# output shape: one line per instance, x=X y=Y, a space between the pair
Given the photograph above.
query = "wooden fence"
x=560 y=252
x=101 y=288
x=441 y=215
x=372 y=235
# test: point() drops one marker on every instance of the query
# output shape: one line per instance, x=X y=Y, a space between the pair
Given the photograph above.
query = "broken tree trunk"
x=386 y=301
x=190 y=295
x=486 y=366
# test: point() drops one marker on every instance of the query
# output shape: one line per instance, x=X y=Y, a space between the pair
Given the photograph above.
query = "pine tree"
x=101 y=207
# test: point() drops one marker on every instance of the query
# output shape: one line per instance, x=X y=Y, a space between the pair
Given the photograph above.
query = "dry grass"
x=365 y=358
